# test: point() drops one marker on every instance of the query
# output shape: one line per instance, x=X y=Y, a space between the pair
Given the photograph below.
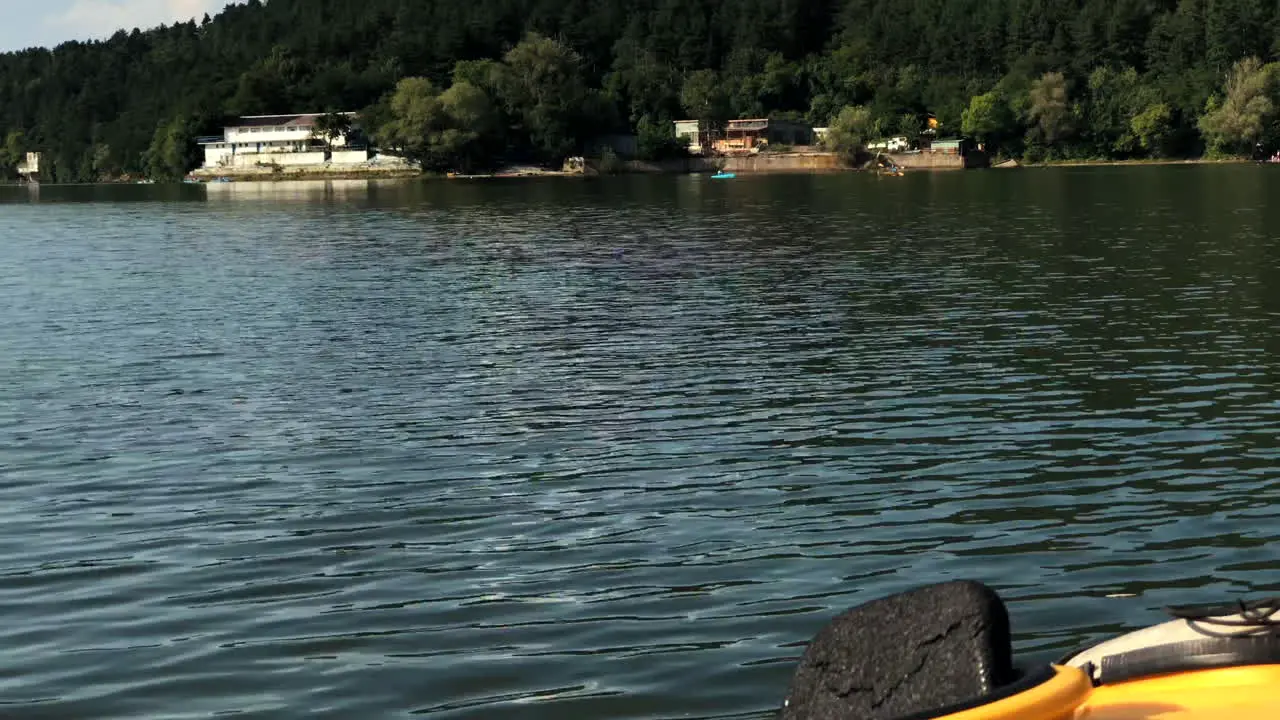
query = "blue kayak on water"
x=724 y=176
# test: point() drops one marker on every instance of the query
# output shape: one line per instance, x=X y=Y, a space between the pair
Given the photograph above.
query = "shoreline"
x=1136 y=163
x=694 y=167
x=206 y=178
x=763 y=164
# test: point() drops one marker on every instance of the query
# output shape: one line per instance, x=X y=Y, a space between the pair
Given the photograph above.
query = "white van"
x=897 y=143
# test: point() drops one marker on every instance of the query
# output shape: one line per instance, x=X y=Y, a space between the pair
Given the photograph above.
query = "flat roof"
x=762 y=122
x=299 y=120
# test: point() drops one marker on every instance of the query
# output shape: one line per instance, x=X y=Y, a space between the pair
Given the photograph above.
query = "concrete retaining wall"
x=783 y=162
x=939 y=161
x=686 y=165
x=350 y=156
x=761 y=163
x=303 y=158
x=250 y=160
x=927 y=161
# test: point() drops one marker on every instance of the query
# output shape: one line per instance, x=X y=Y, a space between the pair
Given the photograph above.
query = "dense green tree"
x=656 y=140
x=414 y=121
x=1073 y=77
x=705 y=100
x=990 y=119
x=642 y=85
x=851 y=131
x=909 y=124
x=12 y=152
x=1154 y=129
x=331 y=126
x=1247 y=113
x=472 y=125
x=840 y=79
x=1235 y=29
x=1050 y=109
x=171 y=154
x=544 y=89
x=440 y=131
x=1115 y=98
x=269 y=85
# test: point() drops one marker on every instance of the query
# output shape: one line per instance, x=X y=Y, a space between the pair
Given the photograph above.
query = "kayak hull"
x=1234 y=693
x=1055 y=699
x=1237 y=693
x=944 y=652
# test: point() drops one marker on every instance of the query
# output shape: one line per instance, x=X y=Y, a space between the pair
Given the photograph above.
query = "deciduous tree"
x=172 y=151
x=331 y=126
x=851 y=131
x=1244 y=116
x=990 y=119
x=1050 y=109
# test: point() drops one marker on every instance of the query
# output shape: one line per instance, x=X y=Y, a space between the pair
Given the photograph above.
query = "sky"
x=27 y=23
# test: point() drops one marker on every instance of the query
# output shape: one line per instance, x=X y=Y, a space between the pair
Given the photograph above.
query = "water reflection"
x=292 y=191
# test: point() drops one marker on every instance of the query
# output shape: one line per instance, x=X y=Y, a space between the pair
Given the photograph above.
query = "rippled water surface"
x=612 y=449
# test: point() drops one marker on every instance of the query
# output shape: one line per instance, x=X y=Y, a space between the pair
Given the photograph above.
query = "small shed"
x=952 y=146
x=693 y=134
x=29 y=168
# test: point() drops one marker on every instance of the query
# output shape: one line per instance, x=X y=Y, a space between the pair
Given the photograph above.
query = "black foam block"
x=903 y=655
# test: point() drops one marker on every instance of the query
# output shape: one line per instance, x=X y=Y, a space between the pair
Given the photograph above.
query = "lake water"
x=617 y=448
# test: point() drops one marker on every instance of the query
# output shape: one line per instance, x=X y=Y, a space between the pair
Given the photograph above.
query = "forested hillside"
x=1044 y=78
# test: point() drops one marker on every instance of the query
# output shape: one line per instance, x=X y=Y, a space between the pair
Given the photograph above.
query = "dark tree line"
x=467 y=83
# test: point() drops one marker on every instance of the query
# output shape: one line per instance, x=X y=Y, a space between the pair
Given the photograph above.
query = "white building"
x=277 y=140
x=29 y=168
x=692 y=134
